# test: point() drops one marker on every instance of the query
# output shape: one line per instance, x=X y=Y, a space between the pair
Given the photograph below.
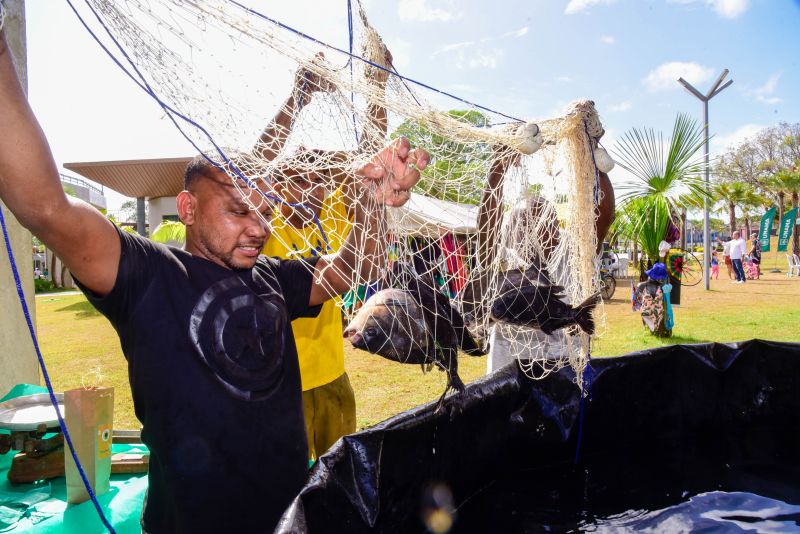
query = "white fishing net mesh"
x=217 y=67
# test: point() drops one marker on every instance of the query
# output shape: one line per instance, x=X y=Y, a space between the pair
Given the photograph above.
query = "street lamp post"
x=714 y=91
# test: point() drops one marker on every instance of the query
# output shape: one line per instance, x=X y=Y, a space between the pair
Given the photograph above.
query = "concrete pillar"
x=141 y=221
x=17 y=357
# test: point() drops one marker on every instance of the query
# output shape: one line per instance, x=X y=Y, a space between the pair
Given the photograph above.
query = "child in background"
x=714 y=265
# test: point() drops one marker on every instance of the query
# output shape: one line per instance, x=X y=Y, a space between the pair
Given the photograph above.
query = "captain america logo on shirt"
x=239 y=335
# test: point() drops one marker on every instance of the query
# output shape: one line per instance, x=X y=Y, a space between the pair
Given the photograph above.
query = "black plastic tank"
x=678 y=439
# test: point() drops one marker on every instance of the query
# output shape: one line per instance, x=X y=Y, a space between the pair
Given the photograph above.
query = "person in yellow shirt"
x=318 y=228
x=328 y=398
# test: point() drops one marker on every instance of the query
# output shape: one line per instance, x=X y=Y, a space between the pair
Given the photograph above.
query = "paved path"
x=58 y=293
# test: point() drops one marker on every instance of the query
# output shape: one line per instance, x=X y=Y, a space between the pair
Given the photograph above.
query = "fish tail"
x=583 y=313
x=455 y=382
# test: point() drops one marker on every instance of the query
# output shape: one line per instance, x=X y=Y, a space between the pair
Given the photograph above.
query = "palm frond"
x=169 y=232
x=667 y=177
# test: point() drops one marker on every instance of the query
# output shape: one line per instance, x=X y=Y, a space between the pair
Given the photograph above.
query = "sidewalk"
x=62 y=293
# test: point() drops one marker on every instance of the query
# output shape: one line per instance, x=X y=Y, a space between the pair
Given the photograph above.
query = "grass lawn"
x=80 y=347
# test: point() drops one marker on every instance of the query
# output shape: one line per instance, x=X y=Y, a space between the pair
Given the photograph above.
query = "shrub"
x=43 y=285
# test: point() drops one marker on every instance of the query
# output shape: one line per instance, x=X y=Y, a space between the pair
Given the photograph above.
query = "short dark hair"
x=198 y=167
x=300 y=163
x=202 y=167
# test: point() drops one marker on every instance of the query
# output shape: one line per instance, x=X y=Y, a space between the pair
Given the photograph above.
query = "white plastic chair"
x=621 y=269
x=794 y=265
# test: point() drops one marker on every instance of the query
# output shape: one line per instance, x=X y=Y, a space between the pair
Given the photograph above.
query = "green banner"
x=766 y=229
x=785 y=229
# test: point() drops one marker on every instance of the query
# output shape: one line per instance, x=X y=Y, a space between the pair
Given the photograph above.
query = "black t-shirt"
x=756 y=250
x=213 y=370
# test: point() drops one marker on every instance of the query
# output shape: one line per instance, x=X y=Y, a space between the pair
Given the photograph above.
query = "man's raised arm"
x=274 y=136
x=385 y=181
x=81 y=236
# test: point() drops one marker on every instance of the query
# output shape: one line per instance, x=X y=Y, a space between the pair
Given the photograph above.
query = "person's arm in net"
x=385 y=181
x=490 y=212
x=373 y=135
x=606 y=209
x=30 y=187
x=275 y=135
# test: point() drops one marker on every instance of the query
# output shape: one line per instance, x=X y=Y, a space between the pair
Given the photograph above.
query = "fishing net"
x=221 y=71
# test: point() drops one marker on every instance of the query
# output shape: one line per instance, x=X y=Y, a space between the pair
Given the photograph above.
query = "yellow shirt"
x=320 y=349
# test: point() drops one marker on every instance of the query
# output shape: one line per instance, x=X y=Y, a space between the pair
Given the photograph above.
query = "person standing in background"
x=755 y=253
x=318 y=182
x=737 y=249
x=726 y=257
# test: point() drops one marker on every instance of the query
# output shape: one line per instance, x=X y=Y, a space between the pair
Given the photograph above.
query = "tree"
x=752 y=204
x=170 y=232
x=662 y=179
x=788 y=182
x=127 y=211
x=457 y=171
x=730 y=195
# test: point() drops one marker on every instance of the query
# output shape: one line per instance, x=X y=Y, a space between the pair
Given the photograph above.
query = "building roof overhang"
x=141 y=178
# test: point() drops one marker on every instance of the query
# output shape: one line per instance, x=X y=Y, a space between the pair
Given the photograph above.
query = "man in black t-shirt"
x=206 y=330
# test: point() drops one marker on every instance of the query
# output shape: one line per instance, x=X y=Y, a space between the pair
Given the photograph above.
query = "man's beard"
x=226 y=258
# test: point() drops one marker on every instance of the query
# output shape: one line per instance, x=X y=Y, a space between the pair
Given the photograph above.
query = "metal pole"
x=714 y=91
x=706 y=222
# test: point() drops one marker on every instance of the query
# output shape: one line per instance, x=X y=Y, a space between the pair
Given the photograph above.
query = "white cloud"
x=764 y=93
x=401 y=53
x=464 y=88
x=452 y=46
x=478 y=53
x=564 y=79
x=608 y=39
x=665 y=76
x=720 y=143
x=729 y=9
x=423 y=11
x=482 y=59
x=622 y=106
x=516 y=33
x=576 y=6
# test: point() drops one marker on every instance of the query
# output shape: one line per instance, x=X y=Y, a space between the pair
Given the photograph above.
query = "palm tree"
x=787 y=181
x=729 y=195
x=752 y=204
x=170 y=232
x=773 y=186
x=666 y=176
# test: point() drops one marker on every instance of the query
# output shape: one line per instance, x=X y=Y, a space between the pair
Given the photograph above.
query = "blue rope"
x=354 y=56
x=61 y=423
x=406 y=86
x=170 y=111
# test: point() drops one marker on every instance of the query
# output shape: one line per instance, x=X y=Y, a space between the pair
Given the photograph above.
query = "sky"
x=525 y=58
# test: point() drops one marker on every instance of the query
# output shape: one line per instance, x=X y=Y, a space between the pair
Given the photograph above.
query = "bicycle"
x=607 y=283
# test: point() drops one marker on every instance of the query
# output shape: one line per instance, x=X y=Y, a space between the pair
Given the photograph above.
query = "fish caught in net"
x=494 y=252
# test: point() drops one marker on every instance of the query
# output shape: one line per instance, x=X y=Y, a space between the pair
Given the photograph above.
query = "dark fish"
x=529 y=298
x=415 y=324
x=473 y=300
